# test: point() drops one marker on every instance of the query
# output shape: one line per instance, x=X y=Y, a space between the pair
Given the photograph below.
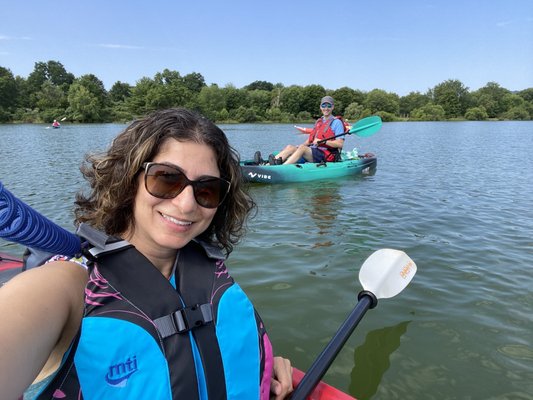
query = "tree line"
x=51 y=92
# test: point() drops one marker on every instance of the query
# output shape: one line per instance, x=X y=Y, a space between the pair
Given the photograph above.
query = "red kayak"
x=8 y=262
x=322 y=391
x=9 y=267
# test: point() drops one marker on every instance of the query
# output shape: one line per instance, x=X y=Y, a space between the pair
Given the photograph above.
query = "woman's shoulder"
x=78 y=260
x=59 y=274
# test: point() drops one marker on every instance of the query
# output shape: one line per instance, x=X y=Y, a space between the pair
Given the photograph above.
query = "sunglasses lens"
x=164 y=181
x=210 y=193
x=325 y=105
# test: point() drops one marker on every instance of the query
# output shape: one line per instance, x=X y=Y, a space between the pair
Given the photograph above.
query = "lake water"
x=457 y=197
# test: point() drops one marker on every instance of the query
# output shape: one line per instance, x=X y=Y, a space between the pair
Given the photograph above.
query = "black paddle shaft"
x=333 y=137
x=315 y=373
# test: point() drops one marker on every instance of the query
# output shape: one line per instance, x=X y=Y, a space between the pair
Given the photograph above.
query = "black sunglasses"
x=166 y=182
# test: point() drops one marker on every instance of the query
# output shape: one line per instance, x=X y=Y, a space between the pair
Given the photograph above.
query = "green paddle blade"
x=367 y=126
x=387 y=272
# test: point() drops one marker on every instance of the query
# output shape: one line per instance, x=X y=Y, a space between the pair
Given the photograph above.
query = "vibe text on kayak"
x=260 y=176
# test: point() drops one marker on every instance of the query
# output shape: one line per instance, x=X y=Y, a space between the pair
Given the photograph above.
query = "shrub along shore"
x=50 y=92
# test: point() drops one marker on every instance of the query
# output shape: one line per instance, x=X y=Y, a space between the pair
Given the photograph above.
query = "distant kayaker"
x=325 y=127
x=56 y=124
x=149 y=310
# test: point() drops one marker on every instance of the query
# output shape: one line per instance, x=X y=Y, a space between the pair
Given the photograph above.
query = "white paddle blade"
x=387 y=272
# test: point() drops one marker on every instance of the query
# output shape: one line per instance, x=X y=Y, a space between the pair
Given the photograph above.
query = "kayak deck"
x=288 y=173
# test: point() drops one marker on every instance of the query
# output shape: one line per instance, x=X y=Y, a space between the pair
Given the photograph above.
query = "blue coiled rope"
x=22 y=224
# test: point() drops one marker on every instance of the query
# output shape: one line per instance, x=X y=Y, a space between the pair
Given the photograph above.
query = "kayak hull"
x=289 y=173
x=9 y=267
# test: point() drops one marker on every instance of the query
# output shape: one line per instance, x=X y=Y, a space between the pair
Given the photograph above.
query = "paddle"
x=363 y=128
x=63 y=119
x=384 y=274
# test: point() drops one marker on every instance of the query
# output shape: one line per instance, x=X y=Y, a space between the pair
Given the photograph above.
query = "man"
x=320 y=146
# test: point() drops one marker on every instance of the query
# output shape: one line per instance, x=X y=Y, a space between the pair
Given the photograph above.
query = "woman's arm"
x=40 y=310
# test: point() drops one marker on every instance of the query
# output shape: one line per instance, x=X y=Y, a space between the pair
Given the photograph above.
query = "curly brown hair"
x=112 y=175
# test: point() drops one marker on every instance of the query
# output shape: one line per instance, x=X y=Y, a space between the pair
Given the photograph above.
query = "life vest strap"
x=100 y=243
x=184 y=320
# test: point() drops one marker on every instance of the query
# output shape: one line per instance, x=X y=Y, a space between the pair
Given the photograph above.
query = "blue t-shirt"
x=338 y=127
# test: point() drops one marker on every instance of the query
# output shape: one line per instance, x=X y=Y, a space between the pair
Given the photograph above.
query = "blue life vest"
x=143 y=338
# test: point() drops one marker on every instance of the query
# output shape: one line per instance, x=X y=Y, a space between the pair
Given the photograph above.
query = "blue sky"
x=395 y=45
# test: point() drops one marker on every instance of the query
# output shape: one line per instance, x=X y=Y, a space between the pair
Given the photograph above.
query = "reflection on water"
x=323 y=207
x=372 y=359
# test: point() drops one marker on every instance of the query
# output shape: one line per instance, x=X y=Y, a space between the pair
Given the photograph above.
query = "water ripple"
x=445 y=193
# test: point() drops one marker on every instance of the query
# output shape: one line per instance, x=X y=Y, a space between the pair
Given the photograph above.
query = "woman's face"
x=169 y=224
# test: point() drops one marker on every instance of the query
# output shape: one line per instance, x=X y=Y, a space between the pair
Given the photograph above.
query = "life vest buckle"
x=184 y=320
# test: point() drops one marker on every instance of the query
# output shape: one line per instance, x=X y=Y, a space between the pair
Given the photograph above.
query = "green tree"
x=490 y=97
x=344 y=97
x=194 y=82
x=511 y=100
x=379 y=100
x=211 y=102
x=354 y=111
x=166 y=91
x=222 y=115
x=234 y=98
x=527 y=94
x=517 y=113
x=245 y=114
x=120 y=91
x=95 y=86
x=260 y=101
x=476 y=114
x=8 y=95
x=51 y=101
x=311 y=96
x=429 y=112
x=137 y=102
x=291 y=100
x=304 y=116
x=260 y=85
x=52 y=72
x=452 y=96
x=276 y=115
x=276 y=95
x=97 y=89
x=412 y=101
x=84 y=105
x=8 y=89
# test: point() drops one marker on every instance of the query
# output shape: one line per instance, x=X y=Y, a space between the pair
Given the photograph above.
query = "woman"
x=149 y=311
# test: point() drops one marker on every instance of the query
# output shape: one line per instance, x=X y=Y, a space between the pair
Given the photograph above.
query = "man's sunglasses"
x=326 y=105
x=166 y=182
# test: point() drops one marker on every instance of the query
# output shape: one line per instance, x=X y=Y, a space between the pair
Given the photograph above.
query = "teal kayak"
x=288 y=173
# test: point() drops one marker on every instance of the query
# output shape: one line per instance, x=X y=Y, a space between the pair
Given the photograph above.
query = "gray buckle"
x=184 y=320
